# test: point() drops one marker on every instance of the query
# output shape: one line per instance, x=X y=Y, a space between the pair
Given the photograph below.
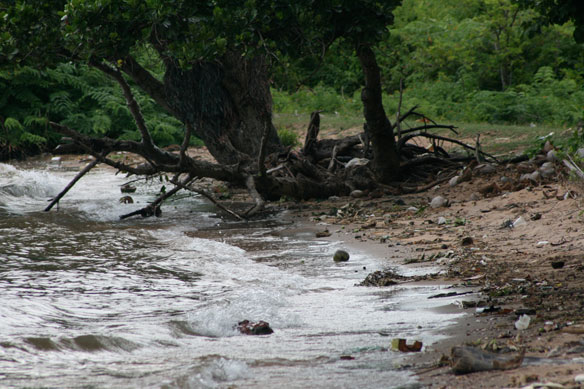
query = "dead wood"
x=70 y=185
x=153 y=209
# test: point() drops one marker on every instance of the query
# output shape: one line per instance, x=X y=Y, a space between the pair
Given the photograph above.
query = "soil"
x=532 y=265
x=518 y=244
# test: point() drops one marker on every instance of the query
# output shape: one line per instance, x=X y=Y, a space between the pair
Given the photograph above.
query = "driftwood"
x=85 y=170
x=153 y=209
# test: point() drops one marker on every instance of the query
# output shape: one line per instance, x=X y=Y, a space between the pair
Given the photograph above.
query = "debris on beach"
x=399 y=344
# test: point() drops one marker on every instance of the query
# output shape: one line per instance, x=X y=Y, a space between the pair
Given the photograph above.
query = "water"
x=92 y=301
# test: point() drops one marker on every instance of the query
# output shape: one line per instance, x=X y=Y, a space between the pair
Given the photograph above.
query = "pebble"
x=485 y=168
x=438 y=202
x=454 y=180
x=412 y=209
x=579 y=378
x=357 y=193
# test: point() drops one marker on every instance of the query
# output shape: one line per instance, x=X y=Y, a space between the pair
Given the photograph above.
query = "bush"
x=288 y=138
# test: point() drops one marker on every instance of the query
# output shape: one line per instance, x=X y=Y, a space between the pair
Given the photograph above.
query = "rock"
x=412 y=209
x=466 y=360
x=323 y=234
x=552 y=156
x=523 y=322
x=558 y=264
x=333 y=198
x=441 y=220
x=399 y=202
x=467 y=241
x=438 y=202
x=357 y=162
x=485 y=168
x=505 y=180
x=126 y=200
x=547 y=147
x=254 y=328
x=475 y=196
x=357 y=193
x=454 y=180
x=128 y=188
x=341 y=256
x=534 y=177
x=579 y=378
x=381 y=278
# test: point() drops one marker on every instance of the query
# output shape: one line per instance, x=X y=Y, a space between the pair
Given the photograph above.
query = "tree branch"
x=130 y=100
x=85 y=170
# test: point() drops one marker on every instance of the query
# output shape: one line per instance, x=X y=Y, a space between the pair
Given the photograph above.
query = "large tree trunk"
x=378 y=126
x=228 y=103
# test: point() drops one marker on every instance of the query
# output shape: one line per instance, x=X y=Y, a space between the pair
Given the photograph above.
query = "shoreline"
x=537 y=265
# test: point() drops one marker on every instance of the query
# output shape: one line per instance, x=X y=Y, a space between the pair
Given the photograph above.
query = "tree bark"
x=228 y=103
x=378 y=127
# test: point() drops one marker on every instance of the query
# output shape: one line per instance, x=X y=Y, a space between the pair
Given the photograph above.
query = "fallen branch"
x=153 y=209
x=403 y=140
x=85 y=170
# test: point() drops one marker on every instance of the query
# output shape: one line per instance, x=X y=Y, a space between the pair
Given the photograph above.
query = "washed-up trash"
x=523 y=322
x=466 y=360
x=519 y=222
x=347 y=357
x=441 y=220
x=254 y=328
x=558 y=264
x=401 y=345
x=341 y=256
x=579 y=378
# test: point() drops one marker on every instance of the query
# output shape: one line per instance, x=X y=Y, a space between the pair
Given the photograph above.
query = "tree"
x=215 y=57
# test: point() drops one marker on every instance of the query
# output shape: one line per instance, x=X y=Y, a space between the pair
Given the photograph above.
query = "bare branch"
x=153 y=209
x=114 y=73
x=85 y=170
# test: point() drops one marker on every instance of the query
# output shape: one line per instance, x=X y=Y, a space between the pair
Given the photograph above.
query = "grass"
x=497 y=139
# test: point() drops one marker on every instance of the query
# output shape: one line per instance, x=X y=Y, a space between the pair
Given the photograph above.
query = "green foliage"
x=288 y=138
x=76 y=96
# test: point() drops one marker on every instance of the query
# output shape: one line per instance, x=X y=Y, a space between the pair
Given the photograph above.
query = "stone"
x=357 y=193
x=412 y=209
x=475 y=196
x=485 y=168
x=441 y=220
x=438 y=202
x=454 y=180
x=341 y=256
x=552 y=156
x=254 y=328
